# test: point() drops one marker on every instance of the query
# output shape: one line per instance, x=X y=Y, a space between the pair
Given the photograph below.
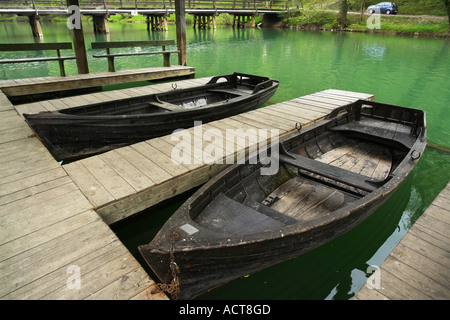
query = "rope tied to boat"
x=172 y=288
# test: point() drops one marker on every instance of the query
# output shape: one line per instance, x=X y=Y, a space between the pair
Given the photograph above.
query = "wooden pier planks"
x=128 y=180
x=419 y=266
x=47 y=211
x=47 y=225
x=21 y=87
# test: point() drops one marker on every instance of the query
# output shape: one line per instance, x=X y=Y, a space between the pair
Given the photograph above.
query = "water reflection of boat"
x=86 y=130
x=332 y=176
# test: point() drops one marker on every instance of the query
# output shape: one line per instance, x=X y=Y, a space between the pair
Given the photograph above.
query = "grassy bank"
x=312 y=18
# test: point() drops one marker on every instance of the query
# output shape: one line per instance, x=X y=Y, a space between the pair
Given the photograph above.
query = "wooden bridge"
x=204 y=11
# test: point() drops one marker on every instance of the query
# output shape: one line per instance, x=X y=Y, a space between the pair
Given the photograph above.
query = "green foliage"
x=308 y=17
x=430 y=7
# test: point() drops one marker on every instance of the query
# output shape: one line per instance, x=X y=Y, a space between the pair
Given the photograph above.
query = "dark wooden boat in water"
x=332 y=175
x=81 y=131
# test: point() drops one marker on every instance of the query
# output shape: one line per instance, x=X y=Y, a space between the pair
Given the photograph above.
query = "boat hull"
x=243 y=221
x=204 y=269
x=69 y=137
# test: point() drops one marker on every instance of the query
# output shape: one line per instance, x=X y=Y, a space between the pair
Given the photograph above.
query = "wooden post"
x=166 y=27
x=181 y=31
x=36 y=26
x=78 y=44
x=100 y=24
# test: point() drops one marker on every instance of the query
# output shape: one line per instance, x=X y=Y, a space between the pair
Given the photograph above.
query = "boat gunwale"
x=61 y=115
x=229 y=240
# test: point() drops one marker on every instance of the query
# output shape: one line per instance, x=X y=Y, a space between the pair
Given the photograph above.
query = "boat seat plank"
x=232 y=91
x=166 y=105
x=226 y=215
x=305 y=200
x=332 y=172
x=379 y=129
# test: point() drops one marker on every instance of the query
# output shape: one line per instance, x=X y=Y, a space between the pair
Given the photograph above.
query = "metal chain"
x=172 y=288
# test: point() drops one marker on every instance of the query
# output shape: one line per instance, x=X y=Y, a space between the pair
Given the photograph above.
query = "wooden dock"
x=128 y=180
x=23 y=87
x=419 y=266
x=54 y=219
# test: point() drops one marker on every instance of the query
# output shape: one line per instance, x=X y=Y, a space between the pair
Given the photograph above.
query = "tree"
x=447 y=5
x=342 y=18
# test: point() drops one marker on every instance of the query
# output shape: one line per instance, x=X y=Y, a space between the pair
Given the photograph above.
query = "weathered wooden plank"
x=418 y=267
x=146 y=166
x=94 y=80
x=125 y=169
x=47 y=233
x=21 y=184
x=37 y=217
x=88 y=184
x=34 y=190
x=163 y=161
x=355 y=95
x=421 y=282
x=62 y=255
x=116 y=185
x=50 y=285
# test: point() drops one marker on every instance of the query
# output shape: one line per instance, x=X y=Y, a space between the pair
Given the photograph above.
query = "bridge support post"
x=100 y=24
x=204 y=21
x=242 y=21
x=35 y=24
x=157 y=22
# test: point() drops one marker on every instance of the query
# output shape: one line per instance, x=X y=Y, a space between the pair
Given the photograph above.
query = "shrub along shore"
x=312 y=19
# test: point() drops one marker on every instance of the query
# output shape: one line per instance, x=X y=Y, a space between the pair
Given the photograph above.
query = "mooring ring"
x=298 y=126
x=413 y=157
x=174 y=86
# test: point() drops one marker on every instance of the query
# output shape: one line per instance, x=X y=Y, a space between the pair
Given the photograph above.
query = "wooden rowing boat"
x=332 y=175
x=86 y=130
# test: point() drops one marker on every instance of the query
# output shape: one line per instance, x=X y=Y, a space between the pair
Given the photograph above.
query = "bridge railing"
x=154 y=4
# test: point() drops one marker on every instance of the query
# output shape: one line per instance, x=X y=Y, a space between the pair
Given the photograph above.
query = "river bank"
x=410 y=25
x=311 y=19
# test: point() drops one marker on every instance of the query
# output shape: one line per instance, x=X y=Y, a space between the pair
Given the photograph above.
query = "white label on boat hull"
x=189 y=229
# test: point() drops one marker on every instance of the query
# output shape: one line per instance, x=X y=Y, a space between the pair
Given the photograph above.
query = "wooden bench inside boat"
x=375 y=129
x=226 y=215
x=133 y=44
x=39 y=47
x=166 y=106
x=332 y=172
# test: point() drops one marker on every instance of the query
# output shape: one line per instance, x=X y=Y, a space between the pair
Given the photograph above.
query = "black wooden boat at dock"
x=332 y=175
x=78 y=132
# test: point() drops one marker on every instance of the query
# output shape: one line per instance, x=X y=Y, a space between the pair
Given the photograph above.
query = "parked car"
x=383 y=7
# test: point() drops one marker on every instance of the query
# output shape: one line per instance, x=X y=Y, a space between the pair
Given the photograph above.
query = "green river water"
x=412 y=72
